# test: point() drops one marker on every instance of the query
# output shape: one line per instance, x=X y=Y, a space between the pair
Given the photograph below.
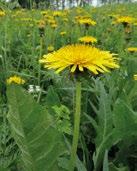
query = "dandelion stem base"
x=76 y=127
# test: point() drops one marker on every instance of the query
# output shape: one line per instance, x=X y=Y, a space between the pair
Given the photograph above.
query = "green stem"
x=76 y=127
x=30 y=3
x=39 y=68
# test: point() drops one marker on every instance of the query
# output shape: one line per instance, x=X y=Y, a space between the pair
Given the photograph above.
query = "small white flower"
x=31 y=89
x=31 y=86
x=38 y=89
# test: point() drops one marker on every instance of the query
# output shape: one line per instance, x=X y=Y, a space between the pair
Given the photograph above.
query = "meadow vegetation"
x=38 y=102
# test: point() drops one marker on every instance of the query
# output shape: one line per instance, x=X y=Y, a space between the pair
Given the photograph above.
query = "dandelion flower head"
x=15 y=79
x=88 y=39
x=87 y=21
x=124 y=19
x=80 y=57
x=132 y=49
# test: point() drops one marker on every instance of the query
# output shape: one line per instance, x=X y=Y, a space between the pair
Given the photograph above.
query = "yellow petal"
x=60 y=69
x=73 y=68
x=80 y=68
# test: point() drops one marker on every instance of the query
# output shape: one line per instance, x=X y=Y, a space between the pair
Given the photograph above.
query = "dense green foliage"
x=36 y=127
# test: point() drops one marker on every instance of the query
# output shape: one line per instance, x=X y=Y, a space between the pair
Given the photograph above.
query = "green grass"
x=108 y=130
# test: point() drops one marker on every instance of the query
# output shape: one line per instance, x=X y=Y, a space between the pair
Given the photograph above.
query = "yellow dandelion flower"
x=48 y=17
x=15 y=79
x=41 y=24
x=44 y=13
x=79 y=57
x=57 y=13
x=63 y=33
x=87 y=21
x=54 y=25
x=88 y=39
x=135 y=77
x=132 y=49
x=124 y=19
x=51 y=21
x=2 y=13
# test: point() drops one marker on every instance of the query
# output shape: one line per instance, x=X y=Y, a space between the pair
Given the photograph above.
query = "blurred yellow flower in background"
x=54 y=25
x=124 y=19
x=132 y=49
x=88 y=39
x=2 y=13
x=41 y=23
x=135 y=77
x=15 y=79
x=57 y=13
x=87 y=21
x=63 y=33
x=51 y=21
x=44 y=12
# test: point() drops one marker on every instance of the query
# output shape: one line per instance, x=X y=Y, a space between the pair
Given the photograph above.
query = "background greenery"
x=36 y=128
